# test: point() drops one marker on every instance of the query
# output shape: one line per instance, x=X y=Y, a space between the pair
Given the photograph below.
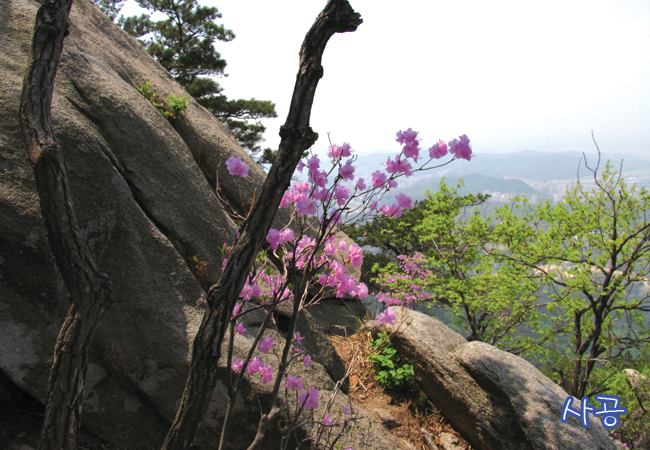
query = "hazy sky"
x=512 y=75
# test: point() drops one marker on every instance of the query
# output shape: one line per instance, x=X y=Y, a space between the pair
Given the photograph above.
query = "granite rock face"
x=494 y=399
x=145 y=197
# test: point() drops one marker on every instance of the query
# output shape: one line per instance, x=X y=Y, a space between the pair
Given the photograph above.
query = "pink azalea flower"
x=346 y=410
x=309 y=399
x=267 y=374
x=287 y=235
x=250 y=290
x=292 y=382
x=306 y=207
x=313 y=163
x=305 y=242
x=412 y=150
x=386 y=317
x=361 y=185
x=404 y=201
x=302 y=187
x=236 y=309
x=287 y=198
x=361 y=291
x=330 y=248
x=342 y=193
x=274 y=238
x=319 y=178
x=406 y=136
x=461 y=148
x=336 y=152
x=391 y=166
x=300 y=166
x=392 y=184
x=240 y=329
x=327 y=421
x=266 y=344
x=393 y=210
x=378 y=178
x=346 y=171
x=236 y=167
x=307 y=360
x=321 y=194
x=236 y=365
x=356 y=255
x=254 y=366
x=405 y=166
x=297 y=338
x=439 y=150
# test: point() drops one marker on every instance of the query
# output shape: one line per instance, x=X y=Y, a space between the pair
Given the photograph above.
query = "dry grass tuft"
x=407 y=414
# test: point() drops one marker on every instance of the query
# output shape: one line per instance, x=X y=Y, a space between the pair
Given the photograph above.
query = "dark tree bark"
x=296 y=137
x=88 y=287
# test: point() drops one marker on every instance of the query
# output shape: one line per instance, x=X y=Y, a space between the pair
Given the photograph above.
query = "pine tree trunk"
x=296 y=137
x=88 y=287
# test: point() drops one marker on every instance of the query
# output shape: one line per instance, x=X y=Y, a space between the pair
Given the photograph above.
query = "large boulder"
x=144 y=189
x=494 y=399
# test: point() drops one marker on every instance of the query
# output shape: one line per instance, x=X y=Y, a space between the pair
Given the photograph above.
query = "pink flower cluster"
x=334 y=276
x=236 y=167
x=459 y=148
x=309 y=398
x=276 y=238
x=387 y=317
x=334 y=202
x=255 y=366
x=354 y=252
x=407 y=286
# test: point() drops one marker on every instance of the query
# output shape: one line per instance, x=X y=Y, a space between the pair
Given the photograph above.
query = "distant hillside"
x=523 y=165
x=508 y=173
x=475 y=183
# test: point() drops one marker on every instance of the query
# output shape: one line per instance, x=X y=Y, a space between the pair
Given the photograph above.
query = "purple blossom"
x=236 y=167
x=461 y=148
x=309 y=399
x=439 y=150
x=387 y=317
x=336 y=152
x=254 y=366
x=406 y=136
x=412 y=150
x=356 y=255
x=378 y=178
x=267 y=374
x=274 y=238
x=346 y=171
x=292 y=382
x=306 y=207
x=342 y=193
x=236 y=365
x=266 y=344
x=404 y=201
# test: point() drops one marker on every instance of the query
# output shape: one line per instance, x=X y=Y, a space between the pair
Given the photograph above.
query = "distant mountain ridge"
x=509 y=173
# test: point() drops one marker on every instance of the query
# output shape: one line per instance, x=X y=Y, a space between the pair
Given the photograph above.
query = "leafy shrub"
x=390 y=372
x=171 y=109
